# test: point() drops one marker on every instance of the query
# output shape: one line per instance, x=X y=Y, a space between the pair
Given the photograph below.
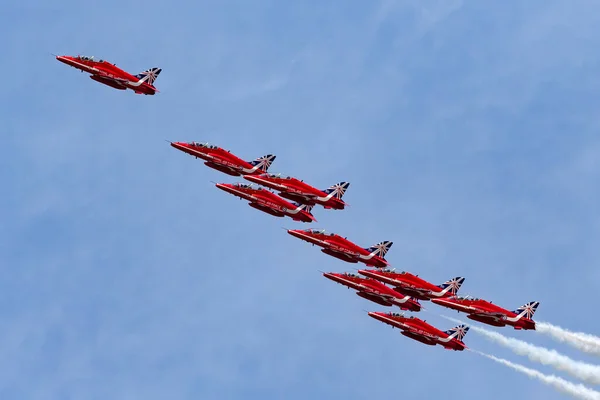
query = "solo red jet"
x=412 y=285
x=296 y=190
x=423 y=332
x=491 y=314
x=267 y=201
x=375 y=291
x=108 y=74
x=222 y=160
x=342 y=248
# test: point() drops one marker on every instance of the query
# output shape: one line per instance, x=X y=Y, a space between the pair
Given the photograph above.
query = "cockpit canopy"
x=393 y=270
x=315 y=231
x=467 y=297
x=86 y=58
x=395 y=314
x=351 y=275
x=278 y=176
x=205 y=145
x=246 y=186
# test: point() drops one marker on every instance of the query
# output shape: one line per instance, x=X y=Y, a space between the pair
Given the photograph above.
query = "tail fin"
x=300 y=207
x=527 y=310
x=338 y=189
x=264 y=162
x=149 y=75
x=380 y=249
x=458 y=332
x=452 y=285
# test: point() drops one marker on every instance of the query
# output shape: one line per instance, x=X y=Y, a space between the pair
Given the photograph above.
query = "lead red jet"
x=419 y=330
x=412 y=285
x=267 y=201
x=488 y=313
x=375 y=291
x=343 y=249
x=109 y=74
x=222 y=160
x=297 y=190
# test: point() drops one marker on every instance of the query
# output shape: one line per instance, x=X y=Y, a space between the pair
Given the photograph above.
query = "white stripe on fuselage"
x=208 y=157
x=256 y=200
x=402 y=326
x=375 y=292
x=326 y=198
x=323 y=242
x=349 y=254
x=518 y=317
x=295 y=210
x=496 y=316
x=279 y=186
x=410 y=330
x=405 y=286
x=367 y=257
x=86 y=67
x=361 y=286
x=243 y=194
x=127 y=82
x=286 y=188
x=462 y=307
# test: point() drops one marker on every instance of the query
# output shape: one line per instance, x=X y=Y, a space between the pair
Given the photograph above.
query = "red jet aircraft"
x=108 y=74
x=222 y=160
x=267 y=201
x=423 y=332
x=342 y=248
x=296 y=190
x=491 y=314
x=412 y=285
x=375 y=291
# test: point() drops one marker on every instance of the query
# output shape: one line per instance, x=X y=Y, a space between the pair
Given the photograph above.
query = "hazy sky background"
x=467 y=129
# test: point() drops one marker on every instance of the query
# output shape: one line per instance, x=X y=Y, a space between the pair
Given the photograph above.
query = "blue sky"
x=468 y=131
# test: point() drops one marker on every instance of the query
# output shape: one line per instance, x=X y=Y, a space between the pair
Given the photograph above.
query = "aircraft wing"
x=484 y=314
x=111 y=77
x=423 y=334
x=344 y=252
x=409 y=289
x=305 y=196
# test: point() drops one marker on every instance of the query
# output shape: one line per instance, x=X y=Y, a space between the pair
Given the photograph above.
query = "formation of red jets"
x=384 y=286
x=296 y=199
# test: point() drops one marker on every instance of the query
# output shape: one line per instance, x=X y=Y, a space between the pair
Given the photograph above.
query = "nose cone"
x=179 y=145
x=336 y=278
x=330 y=275
x=64 y=59
x=377 y=315
x=295 y=233
x=439 y=302
x=223 y=186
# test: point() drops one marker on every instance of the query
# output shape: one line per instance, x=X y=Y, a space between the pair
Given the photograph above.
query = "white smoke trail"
x=586 y=372
x=585 y=342
x=578 y=391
